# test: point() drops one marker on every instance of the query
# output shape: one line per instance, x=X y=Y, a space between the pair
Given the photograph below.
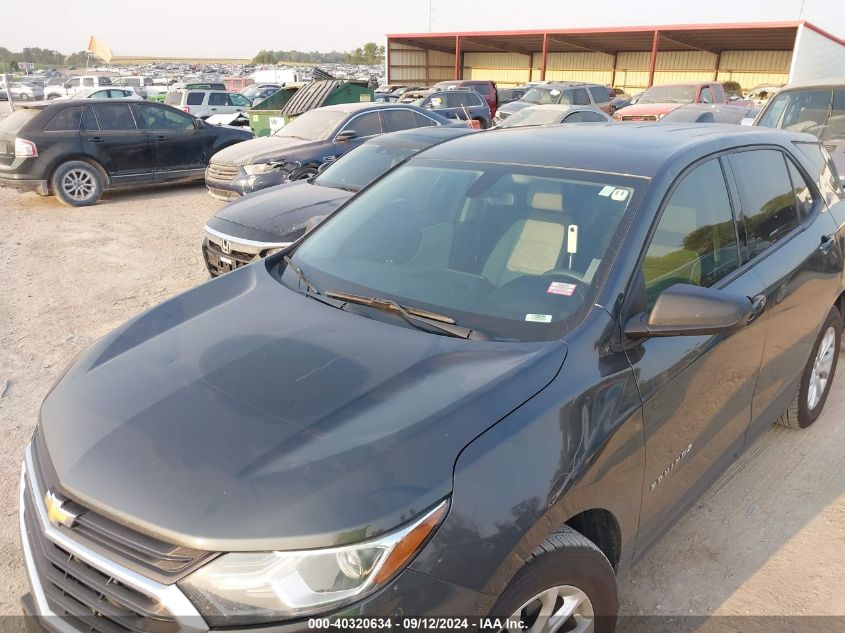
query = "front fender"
x=576 y=445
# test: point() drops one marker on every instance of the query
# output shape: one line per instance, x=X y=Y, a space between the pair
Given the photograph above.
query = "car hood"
x=261 y=150
x=514 y=106
x=242 y=415
x=644 y=109
x=278 y=209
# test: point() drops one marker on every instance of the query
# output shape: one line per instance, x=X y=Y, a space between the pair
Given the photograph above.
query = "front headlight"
x=251 y=588
x=287 y=166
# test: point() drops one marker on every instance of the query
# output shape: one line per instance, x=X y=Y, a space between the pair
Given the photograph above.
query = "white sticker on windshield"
x=539 y=318
x=606 y=191
x=620 y=195
x=554 y=92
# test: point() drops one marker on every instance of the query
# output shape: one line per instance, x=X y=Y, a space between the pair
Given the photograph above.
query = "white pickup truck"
x=144 y=86
x=75 y=84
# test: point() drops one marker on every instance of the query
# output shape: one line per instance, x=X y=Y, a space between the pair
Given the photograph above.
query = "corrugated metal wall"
x=750 y=68
x=816 y=57
x=506 y=69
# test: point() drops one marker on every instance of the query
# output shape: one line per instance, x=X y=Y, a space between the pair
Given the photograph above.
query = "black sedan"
x=78 y=149
x=297 y=150
x=266 y=221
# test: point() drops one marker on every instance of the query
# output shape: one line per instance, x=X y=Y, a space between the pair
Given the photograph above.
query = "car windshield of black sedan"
x=513 y=252
x=314 y=125
x=362 y=165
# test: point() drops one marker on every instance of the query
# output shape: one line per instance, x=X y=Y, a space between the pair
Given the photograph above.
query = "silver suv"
x=205 y=103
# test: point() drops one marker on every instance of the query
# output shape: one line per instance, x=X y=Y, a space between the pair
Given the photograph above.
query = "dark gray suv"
x=482 y=386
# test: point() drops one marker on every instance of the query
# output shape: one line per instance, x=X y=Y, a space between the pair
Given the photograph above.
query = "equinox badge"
x=57 y=514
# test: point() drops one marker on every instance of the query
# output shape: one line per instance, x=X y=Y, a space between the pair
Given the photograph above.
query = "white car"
x=205 y=103
x=76 y=84
x=105 y=93
x=144 y=86
x=24 y=92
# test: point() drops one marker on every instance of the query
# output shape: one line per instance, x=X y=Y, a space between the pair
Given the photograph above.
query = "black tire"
x=565 y=558
x=77 y=183
x=800 y=414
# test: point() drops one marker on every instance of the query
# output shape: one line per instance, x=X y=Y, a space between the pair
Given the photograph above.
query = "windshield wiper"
x=301 y=275
x=420 y=319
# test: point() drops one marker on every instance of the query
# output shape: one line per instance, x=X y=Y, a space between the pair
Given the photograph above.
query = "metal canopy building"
x=629 y=57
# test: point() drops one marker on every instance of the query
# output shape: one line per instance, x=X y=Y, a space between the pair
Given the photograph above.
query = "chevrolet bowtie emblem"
x=57 y=514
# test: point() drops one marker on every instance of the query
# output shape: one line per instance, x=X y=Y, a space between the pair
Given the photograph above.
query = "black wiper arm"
x=301 y=275
x=420 y=319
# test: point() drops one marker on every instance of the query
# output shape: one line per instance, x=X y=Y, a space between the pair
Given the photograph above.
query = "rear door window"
x=195 y=98
x=152 y=117
x=68 y=120
x=395 y=120
x=802 y=191
x=88 y=82
x=769 y=206
x=695 y=241
x=580 y=97
x=218 y=99
x=423 y=121
x=114 y=116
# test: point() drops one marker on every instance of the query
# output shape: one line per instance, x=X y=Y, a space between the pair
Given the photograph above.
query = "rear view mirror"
x=346 y=135
x=686 y=310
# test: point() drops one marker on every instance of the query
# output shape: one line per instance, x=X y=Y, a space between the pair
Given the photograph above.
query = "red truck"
x=658 y=101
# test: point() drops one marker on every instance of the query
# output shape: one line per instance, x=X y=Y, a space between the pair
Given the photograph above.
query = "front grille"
x=85 y=597
x=238 y=258
x=164 y=562
x=225 y=173
x=639 y=117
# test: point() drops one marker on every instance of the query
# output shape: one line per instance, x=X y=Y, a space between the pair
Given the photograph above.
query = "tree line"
x=369 y=53
x=40 y=57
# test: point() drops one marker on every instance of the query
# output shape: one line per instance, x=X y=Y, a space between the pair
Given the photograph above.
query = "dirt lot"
x=767 y=539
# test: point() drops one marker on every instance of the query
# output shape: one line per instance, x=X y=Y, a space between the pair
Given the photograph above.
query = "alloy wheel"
x=78 y=184
x=821 y=368
x=562 y=609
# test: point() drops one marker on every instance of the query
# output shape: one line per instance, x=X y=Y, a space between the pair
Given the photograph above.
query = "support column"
x=427 y=71
x=653 y=59
x=387 y=59
x=613 y=71
x=459 y=71
x=545 y=57
x=716 y=68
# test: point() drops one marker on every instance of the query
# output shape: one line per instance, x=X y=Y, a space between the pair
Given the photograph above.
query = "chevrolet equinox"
x=483 y=386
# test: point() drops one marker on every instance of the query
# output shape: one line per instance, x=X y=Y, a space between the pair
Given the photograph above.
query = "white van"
x=205 y=103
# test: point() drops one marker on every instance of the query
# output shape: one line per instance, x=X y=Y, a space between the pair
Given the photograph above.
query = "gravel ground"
x=767 y=539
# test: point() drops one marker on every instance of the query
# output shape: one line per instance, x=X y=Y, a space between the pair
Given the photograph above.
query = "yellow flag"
x=99 y=49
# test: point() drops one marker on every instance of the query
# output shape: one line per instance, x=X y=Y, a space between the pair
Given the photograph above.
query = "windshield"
x=314 y=125
x=818 y=111
x=668 y=94
x=513 y=252
x=532 y=116
x=363 y=165
x=542 y=95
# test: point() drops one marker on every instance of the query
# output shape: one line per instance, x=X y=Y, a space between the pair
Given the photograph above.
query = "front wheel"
x=567 y=585
x=77 y=183
x=817 y=377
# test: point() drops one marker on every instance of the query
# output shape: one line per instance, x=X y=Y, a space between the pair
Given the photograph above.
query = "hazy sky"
x=214 y=28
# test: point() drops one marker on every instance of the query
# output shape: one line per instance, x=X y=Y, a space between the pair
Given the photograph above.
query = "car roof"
x=421 y=137
x=355 y=107
x=648 y=147
x=837 y=82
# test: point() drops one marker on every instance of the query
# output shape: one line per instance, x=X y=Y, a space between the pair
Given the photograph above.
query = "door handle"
x=95 y=139
x=160 y=137
x=758 y=303
x=213 y=109
x=827 y=243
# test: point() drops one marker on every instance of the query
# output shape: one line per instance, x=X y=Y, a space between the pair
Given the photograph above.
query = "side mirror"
x=749 y=120
x=686 y=310
x=199 y=124
x=345 y=136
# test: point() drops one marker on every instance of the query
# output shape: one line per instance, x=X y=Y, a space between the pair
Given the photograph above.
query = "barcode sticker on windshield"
x=560 y=288
x=539 y=318
x=607 y=190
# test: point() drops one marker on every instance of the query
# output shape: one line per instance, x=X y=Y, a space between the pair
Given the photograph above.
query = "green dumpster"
x=324 y=93
x=266 y=116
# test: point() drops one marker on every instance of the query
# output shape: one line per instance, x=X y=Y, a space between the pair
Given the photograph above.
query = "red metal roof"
x=710 y=37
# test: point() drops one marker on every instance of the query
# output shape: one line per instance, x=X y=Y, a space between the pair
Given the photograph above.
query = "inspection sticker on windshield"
x=620 y=195
x=607 y=190
x=539 y=318
x=560 y=288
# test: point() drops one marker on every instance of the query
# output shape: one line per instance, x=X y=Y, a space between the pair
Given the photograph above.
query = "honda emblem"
x=225 y=247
